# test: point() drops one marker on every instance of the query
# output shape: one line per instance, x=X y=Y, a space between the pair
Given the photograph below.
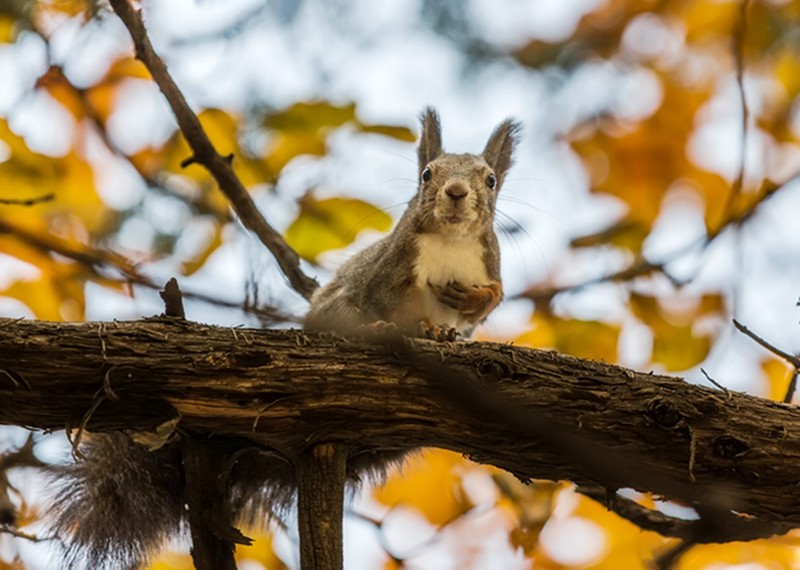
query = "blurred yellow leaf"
x=598 y=32
x=431 y=483
x=392 y=564
x=531 y=503
x=638 y=163
x=222 y=129
x=62 y=90
x=102 y=96
x=303 y=129
x=57 y=292
x=776 y=552
x=778 y=374
x=8 y=29
x=126 y=67
x=172 y=561
x=627 y=545
x=587 y=339
x=332 y=223
x=676 y=343
x=399 y=133
x=44 y=10
x=627 y=234
x=261 y=551
x=707 y=21
x=190 y=266
x=57 y=295
x=28 y=175
x=310 y=117
x=786 y=71
x=288 y=145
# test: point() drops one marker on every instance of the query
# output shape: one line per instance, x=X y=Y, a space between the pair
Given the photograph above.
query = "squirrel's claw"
x=439 y=333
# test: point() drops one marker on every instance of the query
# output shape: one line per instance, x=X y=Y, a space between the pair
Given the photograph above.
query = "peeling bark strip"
x=537 y=414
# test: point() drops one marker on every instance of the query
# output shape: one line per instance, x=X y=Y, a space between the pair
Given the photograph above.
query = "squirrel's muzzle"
x=456 y=191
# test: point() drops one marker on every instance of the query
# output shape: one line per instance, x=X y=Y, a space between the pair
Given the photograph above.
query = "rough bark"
x=210 y=522
x=320 y=506
x=537 y=414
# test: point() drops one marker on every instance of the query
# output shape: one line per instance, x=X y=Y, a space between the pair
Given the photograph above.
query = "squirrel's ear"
x=500 y=148
x=430 y=141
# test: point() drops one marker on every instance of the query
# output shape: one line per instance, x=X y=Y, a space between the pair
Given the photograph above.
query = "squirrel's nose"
x=456 y=192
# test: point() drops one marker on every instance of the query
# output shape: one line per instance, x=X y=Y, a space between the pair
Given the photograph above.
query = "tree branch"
x=93 y=259
x=562 y=418
x=206 y=155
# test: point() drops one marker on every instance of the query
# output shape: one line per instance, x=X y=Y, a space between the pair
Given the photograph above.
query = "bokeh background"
x=654 y=199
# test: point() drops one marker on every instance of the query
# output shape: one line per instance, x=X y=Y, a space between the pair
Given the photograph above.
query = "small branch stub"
x=173 y=300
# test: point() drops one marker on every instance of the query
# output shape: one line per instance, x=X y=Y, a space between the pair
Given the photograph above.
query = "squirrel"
x=436 y=275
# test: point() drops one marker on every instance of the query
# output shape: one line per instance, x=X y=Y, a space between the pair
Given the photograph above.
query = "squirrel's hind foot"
x=440 y=333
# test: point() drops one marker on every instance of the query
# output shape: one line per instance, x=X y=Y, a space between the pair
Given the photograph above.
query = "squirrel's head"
x=458 y=192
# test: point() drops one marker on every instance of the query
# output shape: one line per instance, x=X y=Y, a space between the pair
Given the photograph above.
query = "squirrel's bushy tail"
x=116 y=506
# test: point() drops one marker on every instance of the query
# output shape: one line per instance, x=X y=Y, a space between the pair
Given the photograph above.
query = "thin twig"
x=789 y=396
x=641 y=266
x=790 y=358
x=24 y=535
x=205 y=154
x=672 y=555
x=738 y=58
x=714 y=382
x=29 y=202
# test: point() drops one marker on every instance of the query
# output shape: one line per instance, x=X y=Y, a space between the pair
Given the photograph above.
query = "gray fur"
x=378 y=284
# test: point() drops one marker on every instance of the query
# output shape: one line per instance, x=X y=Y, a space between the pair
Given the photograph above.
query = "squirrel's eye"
x=491 y=181
x=426 y=174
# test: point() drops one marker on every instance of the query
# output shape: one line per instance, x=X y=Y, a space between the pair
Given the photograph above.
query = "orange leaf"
x=778 y=375
x=587 y=339
x=430 y=483
x=677 y=344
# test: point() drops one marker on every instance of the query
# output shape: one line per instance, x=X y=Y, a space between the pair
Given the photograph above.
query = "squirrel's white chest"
x=442 y=260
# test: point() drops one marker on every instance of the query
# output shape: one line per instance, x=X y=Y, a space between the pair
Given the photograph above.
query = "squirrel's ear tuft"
x=430 y=141
x=500 y=148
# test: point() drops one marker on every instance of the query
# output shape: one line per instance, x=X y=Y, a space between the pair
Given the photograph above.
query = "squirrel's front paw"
x=474 y=300
x=440 y=333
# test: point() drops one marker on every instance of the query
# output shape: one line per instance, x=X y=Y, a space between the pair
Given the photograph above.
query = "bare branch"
x=641 y=266
x=737 y=46
x=24 y=535
x=29 y=202
x=205 y=154
x=94 y=259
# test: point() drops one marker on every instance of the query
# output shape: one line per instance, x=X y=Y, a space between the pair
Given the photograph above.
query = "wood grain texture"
x=537 y=414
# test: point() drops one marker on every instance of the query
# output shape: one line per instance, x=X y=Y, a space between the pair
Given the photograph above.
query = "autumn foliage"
x=683 y=116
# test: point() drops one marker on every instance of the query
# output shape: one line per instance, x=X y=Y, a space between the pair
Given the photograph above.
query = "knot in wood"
x=747 y=476
x=664 y=413
x=729 y=447
x=491 y=370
